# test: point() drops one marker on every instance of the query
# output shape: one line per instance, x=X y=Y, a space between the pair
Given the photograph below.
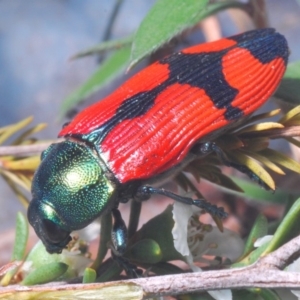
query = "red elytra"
x=149 y=124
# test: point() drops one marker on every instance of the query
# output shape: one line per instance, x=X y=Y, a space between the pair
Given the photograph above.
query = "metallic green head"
x=70 y=190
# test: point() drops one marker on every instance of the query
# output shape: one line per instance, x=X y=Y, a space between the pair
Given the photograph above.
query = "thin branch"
x=264 y=273
x=25 y=150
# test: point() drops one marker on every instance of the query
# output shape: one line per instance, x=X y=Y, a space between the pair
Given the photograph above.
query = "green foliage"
x=177 y=15
x=45 y=273
x=151 y=247
x=111 y=68
x=289 y=89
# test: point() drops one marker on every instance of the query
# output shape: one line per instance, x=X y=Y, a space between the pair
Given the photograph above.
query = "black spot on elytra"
x=205 y=71
x=131 y=108
x=264 y=44
x=201 y=70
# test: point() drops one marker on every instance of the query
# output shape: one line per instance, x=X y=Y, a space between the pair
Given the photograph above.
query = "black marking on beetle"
x=264 y=44
x=202 y=70
x=131 y=108
x=205 y=71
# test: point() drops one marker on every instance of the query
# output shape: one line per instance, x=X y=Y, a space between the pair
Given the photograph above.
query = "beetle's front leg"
x=119 y=238
x=145 y=192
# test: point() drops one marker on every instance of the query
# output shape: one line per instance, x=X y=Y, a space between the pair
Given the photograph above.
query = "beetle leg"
x=213 y=147
x=118 y=233
x=147 y=191
x=119 y=243
x=131 y=270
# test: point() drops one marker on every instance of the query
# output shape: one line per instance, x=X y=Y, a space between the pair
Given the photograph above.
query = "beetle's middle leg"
x=210 y=147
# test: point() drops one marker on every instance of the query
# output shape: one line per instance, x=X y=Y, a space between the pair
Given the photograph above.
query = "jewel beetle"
x=148 y=129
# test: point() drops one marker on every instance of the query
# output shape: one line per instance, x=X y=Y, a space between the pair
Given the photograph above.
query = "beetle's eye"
x=54 y=233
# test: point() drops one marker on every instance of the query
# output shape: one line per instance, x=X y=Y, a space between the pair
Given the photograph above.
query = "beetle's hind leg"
x=209 y=147
x=145 y=192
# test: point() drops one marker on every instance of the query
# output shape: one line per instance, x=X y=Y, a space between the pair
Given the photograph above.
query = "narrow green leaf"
x=21 y=237
x=282 y=159
x=20 y=195
x=89 y=275
x=45 y=273
x=14 y=179
x=254 y=166
x=226 y=182
x=259 y=229
x=8 y=131
x=109 y=70
x=265 y=161
x=105 y=46
x=285 y=228
x=289 y=89
x=255 y=192
x=168 y=18
x=252 y=257
x=29 y=132
x=290 y=115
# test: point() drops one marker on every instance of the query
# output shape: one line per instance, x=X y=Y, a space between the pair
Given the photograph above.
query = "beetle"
x=151 y=127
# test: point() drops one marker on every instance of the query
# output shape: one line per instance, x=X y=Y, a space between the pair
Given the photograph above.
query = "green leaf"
x=20 y=238
x=161 y=234
x=168 y=18
x=255 y=192
x=282 y=159
x=109 y=70
x=289 y=89
x=259 y=229
x=254 y=166
x=39 y=257
x=285 y=229
x=145 y=251
x=89 y=275
x=7 y=131
x=45 y=273
x=105 y=46
x=252 y=257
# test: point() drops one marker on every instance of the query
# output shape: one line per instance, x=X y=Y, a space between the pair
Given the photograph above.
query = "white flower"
x=193 y=240
x=197 y=239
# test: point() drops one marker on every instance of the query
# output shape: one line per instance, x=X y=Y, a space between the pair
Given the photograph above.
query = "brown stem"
x=265 y=273
x=25 y=150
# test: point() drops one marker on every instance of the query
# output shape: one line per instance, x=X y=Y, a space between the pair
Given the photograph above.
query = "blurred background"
x=37 y=39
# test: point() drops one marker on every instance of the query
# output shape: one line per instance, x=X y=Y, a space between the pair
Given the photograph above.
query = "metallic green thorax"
x=70 y=190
